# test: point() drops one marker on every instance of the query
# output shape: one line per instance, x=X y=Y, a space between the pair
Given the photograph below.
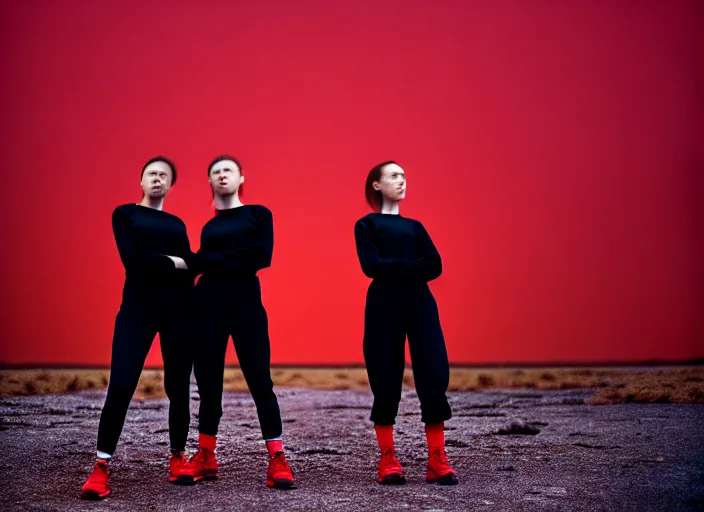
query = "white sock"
x=104 y=456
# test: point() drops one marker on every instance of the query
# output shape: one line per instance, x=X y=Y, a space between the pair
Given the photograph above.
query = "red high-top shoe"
x=96 y=487
x=204 y=465
x=180 y=471
x=279 y=474
x=439 y=470
x=390 y=470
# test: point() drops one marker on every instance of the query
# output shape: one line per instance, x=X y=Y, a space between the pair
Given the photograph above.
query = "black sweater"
x=397 y=249
x=145 y=238
x=237 y=242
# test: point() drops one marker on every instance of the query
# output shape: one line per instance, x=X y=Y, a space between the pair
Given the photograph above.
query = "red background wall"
x=553 y=151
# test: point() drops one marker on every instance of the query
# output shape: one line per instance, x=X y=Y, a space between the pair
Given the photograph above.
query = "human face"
x=225 y=178
x=156 y=180
x=392 y=183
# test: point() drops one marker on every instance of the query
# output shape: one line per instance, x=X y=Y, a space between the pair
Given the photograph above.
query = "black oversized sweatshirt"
x=237 y=242
x=145 y=239
x=396 y=249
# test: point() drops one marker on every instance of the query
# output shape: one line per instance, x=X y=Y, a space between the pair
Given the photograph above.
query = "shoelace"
x=388 y=453
x=278 y=462
x=199 y=458
x=388 y=458
x=440 y=456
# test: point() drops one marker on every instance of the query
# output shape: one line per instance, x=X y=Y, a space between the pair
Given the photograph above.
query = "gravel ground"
x=575 y=456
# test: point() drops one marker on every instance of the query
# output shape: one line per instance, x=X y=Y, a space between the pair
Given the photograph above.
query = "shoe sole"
x=444 y=480
x=393 y=479
x=182 y=480
x=208 y=475
x=281 y=483
x=93 y=495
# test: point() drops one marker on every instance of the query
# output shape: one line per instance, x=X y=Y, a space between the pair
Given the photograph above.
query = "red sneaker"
x=390 y=470
x=180 y=471
x=96 y=487
x=439 y=470
x=204 y=465
x=279 y=474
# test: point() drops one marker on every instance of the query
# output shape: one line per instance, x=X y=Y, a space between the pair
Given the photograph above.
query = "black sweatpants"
x=226 y=307
x=146 y=309
x=392 y=312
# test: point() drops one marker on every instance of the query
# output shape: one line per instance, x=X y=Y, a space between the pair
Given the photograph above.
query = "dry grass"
x=614 y=385
x=685 y=385
x=40 y=381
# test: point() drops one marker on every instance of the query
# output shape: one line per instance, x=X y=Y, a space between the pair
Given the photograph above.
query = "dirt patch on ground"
x=512 y=449
x=614 y=385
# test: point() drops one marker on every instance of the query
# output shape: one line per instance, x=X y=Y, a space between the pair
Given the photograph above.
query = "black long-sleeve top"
x=396 y=249
x=145 y=239
x=237 y=242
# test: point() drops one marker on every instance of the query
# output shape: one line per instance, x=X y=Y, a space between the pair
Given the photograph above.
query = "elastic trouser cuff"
x=436 y=416
x=381 y=419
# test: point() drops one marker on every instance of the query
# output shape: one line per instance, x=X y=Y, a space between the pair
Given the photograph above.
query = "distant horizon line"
x=322 y=366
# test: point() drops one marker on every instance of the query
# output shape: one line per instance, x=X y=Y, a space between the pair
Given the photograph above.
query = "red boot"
x=96 y=487
x=203 y=463
x=390 y=469
x=439 y=470
x=180 y=471
x=279 y=474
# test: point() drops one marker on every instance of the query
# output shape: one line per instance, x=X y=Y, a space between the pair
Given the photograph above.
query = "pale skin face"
x=392 y=184
x=225 y=178
x=156 y=180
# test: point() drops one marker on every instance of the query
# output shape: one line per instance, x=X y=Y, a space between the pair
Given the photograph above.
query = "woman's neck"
x=390 y=207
